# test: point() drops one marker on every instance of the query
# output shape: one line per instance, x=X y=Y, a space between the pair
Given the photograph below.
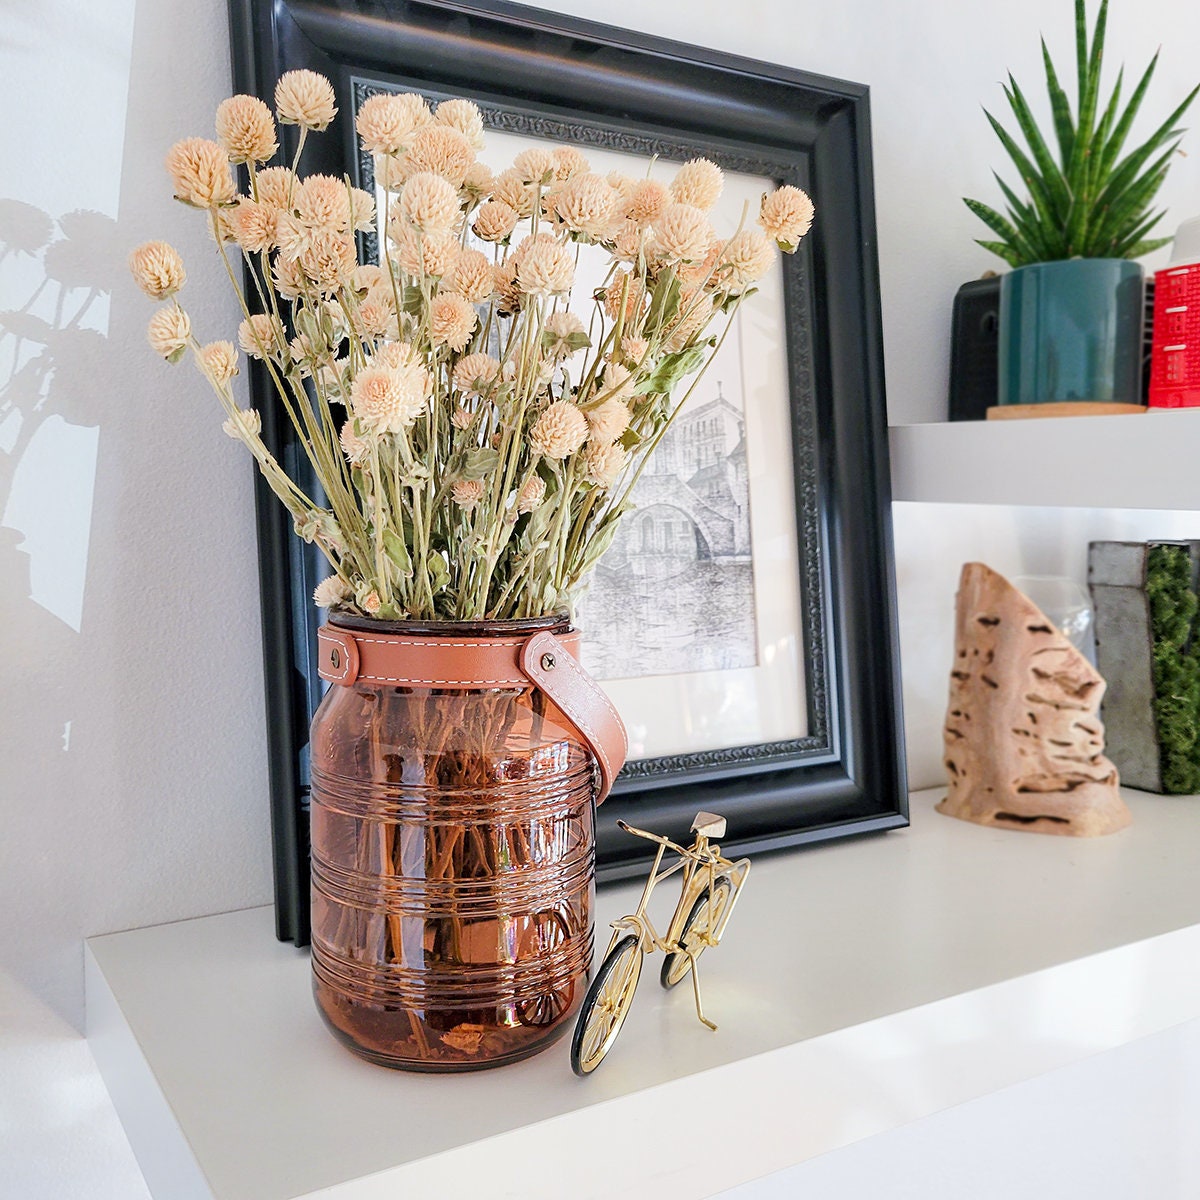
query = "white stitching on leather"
x=330 y=637
x=520 y=681
x=594 y=686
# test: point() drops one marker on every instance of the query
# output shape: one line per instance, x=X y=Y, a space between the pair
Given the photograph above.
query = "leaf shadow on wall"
x=56 y=277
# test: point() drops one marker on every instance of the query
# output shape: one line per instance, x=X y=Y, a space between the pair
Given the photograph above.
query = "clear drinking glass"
x=1067 y=605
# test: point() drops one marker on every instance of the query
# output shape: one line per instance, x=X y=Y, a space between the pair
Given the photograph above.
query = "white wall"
x=134 y=782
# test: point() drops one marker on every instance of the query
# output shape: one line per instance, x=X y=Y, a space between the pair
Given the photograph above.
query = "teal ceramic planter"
x=1071 y=330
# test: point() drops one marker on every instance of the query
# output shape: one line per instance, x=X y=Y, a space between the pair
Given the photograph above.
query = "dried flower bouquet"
x=476 y=441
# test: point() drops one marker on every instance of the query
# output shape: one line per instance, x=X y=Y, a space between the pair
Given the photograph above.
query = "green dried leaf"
x=670 y=371
x=481 y=461
x=397 y=552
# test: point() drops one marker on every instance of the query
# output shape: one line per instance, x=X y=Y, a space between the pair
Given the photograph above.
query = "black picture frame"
x=568 y=79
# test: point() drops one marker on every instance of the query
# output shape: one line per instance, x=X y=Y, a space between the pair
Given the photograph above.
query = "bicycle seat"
x=709 y=824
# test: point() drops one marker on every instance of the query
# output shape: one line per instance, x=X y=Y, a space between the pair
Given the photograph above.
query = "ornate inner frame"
x=547 y=76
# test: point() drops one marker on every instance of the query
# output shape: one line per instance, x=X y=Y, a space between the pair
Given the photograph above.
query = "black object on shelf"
x=974 y=355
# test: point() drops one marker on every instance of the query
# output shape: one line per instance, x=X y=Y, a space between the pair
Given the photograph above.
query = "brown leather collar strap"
x=548 y=660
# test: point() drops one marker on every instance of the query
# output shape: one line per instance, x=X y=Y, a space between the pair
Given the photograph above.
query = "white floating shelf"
x=861 y=985
x=1149 y=460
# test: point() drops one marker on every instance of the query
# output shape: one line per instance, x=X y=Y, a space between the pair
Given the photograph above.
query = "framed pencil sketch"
x=743 y=620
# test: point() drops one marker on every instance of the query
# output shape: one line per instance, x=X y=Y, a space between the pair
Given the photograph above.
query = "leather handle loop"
x=552 y=666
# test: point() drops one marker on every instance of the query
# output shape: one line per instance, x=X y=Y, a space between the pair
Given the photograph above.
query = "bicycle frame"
x=700 y=872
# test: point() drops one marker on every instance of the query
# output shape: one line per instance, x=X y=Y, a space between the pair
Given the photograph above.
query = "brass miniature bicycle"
x=709 y=889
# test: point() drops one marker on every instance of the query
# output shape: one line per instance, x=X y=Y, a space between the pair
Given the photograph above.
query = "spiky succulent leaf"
x=1060 y=106
x=1092 y=202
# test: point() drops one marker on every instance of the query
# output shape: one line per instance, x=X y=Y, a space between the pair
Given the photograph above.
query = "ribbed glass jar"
x=453 y=853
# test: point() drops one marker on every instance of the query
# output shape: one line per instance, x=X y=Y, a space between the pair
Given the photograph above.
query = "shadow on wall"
x=133 y=783
x=61 y=273
x=48 y=444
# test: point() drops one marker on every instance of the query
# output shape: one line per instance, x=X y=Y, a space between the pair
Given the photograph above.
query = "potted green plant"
x=1071 y=308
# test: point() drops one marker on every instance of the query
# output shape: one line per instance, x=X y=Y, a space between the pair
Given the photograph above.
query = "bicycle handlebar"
x=652 y=837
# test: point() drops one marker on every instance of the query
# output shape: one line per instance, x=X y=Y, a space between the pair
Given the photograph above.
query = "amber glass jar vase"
x=452 y=862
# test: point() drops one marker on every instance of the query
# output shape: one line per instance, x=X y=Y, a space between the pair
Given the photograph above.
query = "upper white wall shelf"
x=1142 y=461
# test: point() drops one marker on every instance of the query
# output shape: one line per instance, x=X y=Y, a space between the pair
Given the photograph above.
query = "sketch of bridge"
x=680 y=568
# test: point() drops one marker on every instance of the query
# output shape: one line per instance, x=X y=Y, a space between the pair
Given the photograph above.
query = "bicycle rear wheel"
x=606 y=1005
x=707 y=910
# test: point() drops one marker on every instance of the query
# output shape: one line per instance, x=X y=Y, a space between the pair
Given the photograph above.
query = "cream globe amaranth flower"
x=331 y=592
x=604 y=462
x=617 y=382
x=157 y=269
x=471 y=276
x=745 y=259
x=564 y=335
x=200 y=173
x=356 y=449
x=389 y=400
x=386 y=123
x=369 y=601
x=362 y=210
x=374 y=319
x=288 y=278
x=698 y=183
x=276 y=186
x=219 y=361
x=169 y=332
x=584 y=204
x=464 y=116
x=467 y=493
x=461 y=419
x=323 y=202
x=246 y=129
x=442 y=150
x=452 y=320
x=260 y=336
x=559 y=431
x=682 y=233
x=305 y=98
x=495 y=221
x=328 y=260
x=535 y=165
x=568 y=162
x=629 y=242
x=476 y=373
x=546 y=269
x=432 y=254
x=430 y=203
x=608 y=420
x=511 y=189
x=255 y=226
x=633 y=349
x=506 y=295
x=532 y=493
x=647 y=202
x=244 y=426
x=478 y=181
x=629 y=288
x=786 y=215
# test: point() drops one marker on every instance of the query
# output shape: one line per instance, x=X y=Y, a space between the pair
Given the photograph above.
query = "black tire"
x=600 y=1020
x=677 y=964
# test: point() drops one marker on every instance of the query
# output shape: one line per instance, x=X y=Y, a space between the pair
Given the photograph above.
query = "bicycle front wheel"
x=606 y=1004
